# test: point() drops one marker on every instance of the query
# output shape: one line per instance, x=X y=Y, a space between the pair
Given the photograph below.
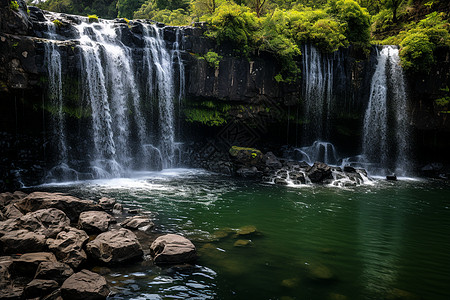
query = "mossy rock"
x=320 y=272
x=246 y=156
x=246 y=231
x=222 y=233
x=290 y=283
x=243 y=243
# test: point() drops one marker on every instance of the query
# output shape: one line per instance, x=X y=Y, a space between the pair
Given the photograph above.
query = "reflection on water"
x=384 y=241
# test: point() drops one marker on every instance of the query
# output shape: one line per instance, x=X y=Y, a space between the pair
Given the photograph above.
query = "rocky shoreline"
x=49 y=242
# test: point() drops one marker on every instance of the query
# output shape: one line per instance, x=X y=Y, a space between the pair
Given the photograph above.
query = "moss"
x=14 y=5
x=205 y=116
x=93 y=18
x=57 y=22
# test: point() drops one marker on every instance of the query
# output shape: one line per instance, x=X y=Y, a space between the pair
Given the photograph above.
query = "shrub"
x=417 y=52
x=213 y=59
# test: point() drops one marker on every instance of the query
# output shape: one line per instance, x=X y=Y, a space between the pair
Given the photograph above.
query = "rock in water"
x=138 y=223
x=272 y=161
x=247 y=157
x=319 y=172
x=85 y=285
x=94 y=221
x=172 y=249
x=68 y=247
x=115 y=246
x=107 y=203
x=70 y=205
x=48 y=222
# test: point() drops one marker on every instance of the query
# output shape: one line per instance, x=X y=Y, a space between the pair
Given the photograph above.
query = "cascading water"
x=317 y=93
x=386 y=133
x=129 y=94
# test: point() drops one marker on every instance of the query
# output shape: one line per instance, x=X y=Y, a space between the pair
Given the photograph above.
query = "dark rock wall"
x=259 y=110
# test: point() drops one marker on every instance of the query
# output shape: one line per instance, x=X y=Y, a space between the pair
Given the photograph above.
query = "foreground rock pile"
x=49 y=241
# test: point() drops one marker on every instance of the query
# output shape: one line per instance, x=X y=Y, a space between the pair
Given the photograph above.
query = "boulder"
x=8 y=225
x=172 y=249
x=117 y=209
x=5 y=277
x=53 y=270
x=248 y=172
x=94 y=221
x=85 y=285
x=271 y=161
x=12 y=212
x=115 y=246
x=12 y=292
x=48 y=222
x=246 y=156
x=68 y=247
x=138 y=223
x=319 y=172
x=40 y=287
x=107 y=203
x=5 y=199
x=21 y=241
x=70 y=205
x=27 y=264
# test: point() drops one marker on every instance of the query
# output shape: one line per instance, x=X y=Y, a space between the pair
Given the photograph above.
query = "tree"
x=126 y=8
x=394 y=5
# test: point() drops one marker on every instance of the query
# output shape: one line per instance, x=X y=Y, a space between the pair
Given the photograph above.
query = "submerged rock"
x=85 y=285
x=319 y=172
x=172 y=249
x=242 y=243
x=94 y=221
x=290 y=282
x=320 y=272
x=246 y=230
x=115 y=246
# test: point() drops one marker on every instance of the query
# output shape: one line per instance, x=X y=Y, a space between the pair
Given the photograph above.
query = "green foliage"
x=102 y=8
x=417 y=52
x=213 y=59
x=126 y=8
x=356 y=18
x=207 y=113
x=443 y=102
x=150 y=10
x=234 y=25
x=14 y=5
x=93 y=18
x=57 y=22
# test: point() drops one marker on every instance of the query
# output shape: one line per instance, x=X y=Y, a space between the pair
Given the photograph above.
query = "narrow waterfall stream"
x=386 y=132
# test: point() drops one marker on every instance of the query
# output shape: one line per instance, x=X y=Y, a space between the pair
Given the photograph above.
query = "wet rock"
x=141 y=223
x=117 y=209
x=320 y=272
x=40 y=287
x=319 y=172
x=48 y=222
x=12 y=212
x=68 y=247
x=248 y=172
x=222 y=233
x=280 y=181
x=70 y=205
x=52 y=270
x=297 y=176
x=115 y=246
x=290 y=283
x=27 y=264
x=107 y=203
x=85 y=285
x=172 y=249
x=21 y=241
x=242 y=243
x=94 y=221
x=271 y=161
x=349 y=169
x=247 y=230
x=392 y=177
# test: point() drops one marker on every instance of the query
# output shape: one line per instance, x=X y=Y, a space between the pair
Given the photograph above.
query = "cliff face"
x=239 y=102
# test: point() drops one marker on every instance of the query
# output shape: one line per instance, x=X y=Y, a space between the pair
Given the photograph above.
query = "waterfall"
x=129 y=89
x=386 y=134
x=317 y=93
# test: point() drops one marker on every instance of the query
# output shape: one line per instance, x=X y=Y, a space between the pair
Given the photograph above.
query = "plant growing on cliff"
x=213 y=59
x=14 y=5
x=57 y=23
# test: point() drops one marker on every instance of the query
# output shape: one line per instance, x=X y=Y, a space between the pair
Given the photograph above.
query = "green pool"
x=388 y=240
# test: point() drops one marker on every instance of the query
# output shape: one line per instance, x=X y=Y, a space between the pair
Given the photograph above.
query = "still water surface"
x=389 y=240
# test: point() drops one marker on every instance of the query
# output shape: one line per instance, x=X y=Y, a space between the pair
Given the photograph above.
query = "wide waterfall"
x=386 y=134
x=130 y=95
